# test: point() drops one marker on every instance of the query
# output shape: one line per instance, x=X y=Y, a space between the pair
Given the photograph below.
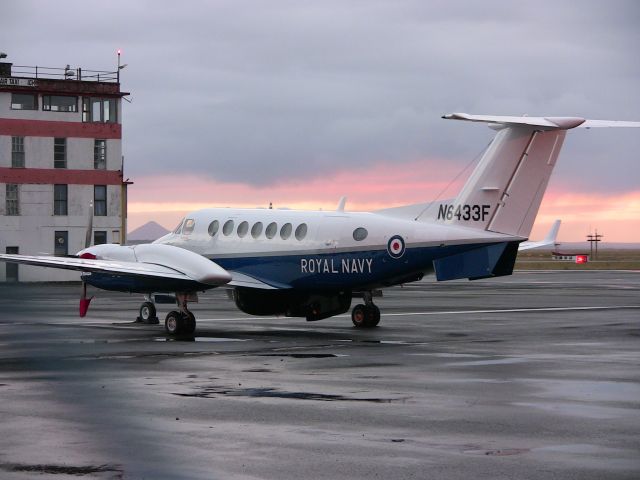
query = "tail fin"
x=504 y=192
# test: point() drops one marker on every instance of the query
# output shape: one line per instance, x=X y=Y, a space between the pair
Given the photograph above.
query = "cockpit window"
x=179 y=227
x=189 y=225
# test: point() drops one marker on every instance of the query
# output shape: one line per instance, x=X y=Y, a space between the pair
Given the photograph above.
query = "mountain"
x=147 y=233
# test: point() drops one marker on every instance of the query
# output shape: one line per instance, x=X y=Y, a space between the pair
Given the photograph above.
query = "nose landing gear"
x=181 y=322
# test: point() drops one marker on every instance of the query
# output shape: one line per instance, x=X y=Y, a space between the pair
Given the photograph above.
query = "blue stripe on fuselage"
x=344 y=270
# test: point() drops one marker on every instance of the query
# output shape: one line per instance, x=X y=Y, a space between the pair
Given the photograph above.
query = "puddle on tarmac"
x=501 y=452
x=500 y=361
x=200 y=339
x=302 y=355
x=62 y=469
x=213 y=392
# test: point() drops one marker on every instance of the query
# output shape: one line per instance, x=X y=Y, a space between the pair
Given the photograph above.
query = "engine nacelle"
x=311 y=305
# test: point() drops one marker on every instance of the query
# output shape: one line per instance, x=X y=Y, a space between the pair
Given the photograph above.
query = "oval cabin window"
x=256 y=230
x=213 y=227
x=243 y=228
x=360 y=234
x=301 y=231
x=271 y=230
x=227 y=228
x=285 y=231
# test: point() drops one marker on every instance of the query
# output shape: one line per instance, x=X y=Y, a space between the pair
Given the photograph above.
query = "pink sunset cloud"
x=166 y=199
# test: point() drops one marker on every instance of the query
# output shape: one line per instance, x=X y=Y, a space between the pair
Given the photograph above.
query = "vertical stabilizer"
x=505 y=190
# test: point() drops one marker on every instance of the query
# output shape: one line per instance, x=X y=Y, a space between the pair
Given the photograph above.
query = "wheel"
x=358 y=315
x=372 y=316
x=147 y=311
x=174 y=323
x=189 y=323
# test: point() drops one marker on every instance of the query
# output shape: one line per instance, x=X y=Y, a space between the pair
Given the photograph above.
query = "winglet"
x=341 y=204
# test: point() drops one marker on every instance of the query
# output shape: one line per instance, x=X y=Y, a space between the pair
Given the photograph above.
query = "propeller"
x=87 y=239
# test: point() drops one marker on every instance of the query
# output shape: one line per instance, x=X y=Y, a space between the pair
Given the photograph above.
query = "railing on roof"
x=66 y=73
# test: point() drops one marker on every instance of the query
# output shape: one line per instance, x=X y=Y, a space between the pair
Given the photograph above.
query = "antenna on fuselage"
x=341 y=204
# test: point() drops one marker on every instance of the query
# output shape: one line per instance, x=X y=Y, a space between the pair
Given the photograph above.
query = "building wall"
x=33 y=231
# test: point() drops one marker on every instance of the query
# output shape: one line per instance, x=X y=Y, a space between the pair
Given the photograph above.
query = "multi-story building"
x=60 y=158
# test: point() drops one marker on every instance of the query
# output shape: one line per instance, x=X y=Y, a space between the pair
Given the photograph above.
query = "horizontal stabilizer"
x=544 y=123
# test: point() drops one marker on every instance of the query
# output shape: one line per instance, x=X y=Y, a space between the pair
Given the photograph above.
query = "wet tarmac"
x=533 y=376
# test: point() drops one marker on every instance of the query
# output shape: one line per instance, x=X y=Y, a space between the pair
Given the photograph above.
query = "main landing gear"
x=367 y=315
x=181 y=322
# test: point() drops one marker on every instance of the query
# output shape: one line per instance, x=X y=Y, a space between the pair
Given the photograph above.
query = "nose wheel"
x=147 y=314
x=181 y=322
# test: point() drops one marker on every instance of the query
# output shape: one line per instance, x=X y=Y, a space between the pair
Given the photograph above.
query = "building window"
x=100 y=154
x=59 y=153
x=24 y=101
x=17 y=152
x=12 y=268
x=59 y=103
x=99 y=237
x=99 y=110
x=100 y=200
x=61 y=243
x=13 y=199
x=59 y=199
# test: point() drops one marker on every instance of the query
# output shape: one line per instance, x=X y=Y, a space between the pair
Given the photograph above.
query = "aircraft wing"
x=151 y=261
x=241 y=280
x=96 y=266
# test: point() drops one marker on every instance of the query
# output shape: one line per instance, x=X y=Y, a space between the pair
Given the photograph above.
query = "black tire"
x=147 y=311
x=189 y=324
x=174 y=323
x=359 y=316
x=372 y=316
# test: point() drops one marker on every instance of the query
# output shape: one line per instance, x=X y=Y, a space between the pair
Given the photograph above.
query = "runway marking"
x=516 y=310
x=452 y=312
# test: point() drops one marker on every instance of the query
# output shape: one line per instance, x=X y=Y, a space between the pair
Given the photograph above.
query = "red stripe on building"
x=50 y=176
x=46 y=128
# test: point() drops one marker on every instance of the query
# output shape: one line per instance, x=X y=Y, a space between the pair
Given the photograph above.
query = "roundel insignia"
x=395 y=246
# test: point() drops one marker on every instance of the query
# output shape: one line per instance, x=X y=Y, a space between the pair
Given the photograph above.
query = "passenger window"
x=189 y=225
x=360 y=234
x=227 y=228
x=285 y=231
x=256 y=230
x=271 y=230
x=301 y=231
x=213 y=227
x=179 y=227
x=243 y=228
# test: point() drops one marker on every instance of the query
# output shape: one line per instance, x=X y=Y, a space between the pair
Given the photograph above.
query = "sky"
x=243 y=103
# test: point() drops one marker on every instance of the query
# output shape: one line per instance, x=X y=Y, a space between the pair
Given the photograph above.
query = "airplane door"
x=333 y=230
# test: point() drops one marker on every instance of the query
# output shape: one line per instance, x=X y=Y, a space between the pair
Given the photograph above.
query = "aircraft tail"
x=504 y=192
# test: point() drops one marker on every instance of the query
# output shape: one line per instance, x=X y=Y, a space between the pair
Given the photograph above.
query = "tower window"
x=17 y=152
x=24 y=101
x=59 y=103
x=100 y=154
x=60 y=199
x=59 y=153
x=100 y=200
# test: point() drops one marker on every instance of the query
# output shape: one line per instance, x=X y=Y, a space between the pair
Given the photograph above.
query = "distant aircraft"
x=311 y=264
x=548 y=241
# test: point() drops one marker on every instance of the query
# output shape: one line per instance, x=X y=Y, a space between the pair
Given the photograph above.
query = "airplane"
x=312 y=264
x=548 y=241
